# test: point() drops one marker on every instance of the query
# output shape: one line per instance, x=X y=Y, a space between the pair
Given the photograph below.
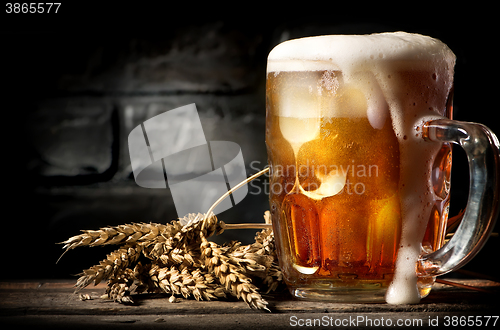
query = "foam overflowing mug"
x=359 y=134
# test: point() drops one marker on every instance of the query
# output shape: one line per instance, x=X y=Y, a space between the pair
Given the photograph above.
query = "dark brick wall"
x=73 y=91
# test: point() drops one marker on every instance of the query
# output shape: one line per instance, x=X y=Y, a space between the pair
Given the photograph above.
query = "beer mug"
x=359 y=134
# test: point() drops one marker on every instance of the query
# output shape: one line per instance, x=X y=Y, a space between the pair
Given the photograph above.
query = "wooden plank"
x=53 y=305
x=57 y=298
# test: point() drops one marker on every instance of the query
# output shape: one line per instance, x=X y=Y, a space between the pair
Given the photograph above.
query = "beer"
x=355 y=193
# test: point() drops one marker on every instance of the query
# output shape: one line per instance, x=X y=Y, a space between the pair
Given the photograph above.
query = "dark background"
x=75 y=83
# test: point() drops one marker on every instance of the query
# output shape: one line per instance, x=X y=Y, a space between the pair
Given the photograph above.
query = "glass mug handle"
x=482 y=149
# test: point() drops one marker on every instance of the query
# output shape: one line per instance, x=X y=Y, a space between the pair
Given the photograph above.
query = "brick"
x=206 y=58
x=71 y=137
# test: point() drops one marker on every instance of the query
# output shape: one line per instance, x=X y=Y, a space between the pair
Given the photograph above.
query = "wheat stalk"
x=233 y=189
x=183 y=262
x=128 y=233
x=122 y=234
x=180 y=263
x=115 y=262
x=181 y=259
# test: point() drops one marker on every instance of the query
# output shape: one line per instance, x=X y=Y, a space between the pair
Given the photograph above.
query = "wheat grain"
x=85 y=296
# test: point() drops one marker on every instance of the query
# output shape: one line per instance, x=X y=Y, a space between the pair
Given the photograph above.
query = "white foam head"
x=341 y=52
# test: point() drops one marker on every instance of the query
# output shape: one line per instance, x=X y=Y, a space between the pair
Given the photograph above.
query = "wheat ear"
x=115 y=262
x=119 y=287
x=198 y=225
x=231 y=274
x=186 y=283
x=122 y=234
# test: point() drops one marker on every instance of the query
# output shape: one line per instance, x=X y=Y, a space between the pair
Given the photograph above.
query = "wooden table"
x=52 y=304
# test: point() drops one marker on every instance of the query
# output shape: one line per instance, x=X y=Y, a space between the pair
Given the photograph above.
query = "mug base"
x=344 y=295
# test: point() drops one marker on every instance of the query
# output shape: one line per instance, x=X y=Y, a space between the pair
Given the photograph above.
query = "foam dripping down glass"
x=358 y=133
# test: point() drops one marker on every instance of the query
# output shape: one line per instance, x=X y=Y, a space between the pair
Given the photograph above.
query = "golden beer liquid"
x=349 y=233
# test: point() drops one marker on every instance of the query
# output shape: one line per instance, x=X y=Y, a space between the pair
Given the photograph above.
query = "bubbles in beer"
x=329 y=81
